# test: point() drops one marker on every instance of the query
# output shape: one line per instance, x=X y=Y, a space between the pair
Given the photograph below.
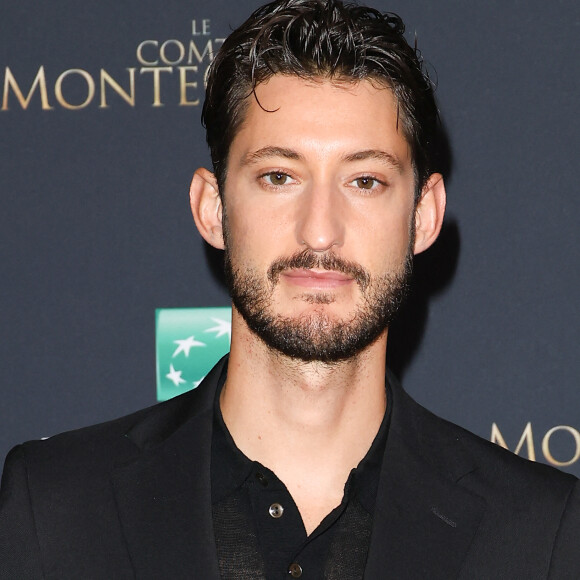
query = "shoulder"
x=82 y=456
x=67 y=490
x=532 y=510
x=502 y=468
x=80 y=449
x=528 y=514
x=91 y=449
x=485 y=468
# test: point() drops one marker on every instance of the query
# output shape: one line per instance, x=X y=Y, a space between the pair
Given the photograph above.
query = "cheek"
x=261 y=227
x=386 y=238
x=248 y=238
x=237 y=217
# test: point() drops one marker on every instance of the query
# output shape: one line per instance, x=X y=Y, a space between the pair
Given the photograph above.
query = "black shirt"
x=258 y=529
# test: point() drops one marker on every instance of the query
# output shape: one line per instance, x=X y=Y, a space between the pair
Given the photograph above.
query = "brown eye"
x=365 y=182
x=277 y=178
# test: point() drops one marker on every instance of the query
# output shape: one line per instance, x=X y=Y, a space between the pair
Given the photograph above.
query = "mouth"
x=310 y=270
x=317 y=279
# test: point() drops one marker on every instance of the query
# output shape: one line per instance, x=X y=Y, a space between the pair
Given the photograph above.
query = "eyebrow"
x=377 y=154
x=271 y=151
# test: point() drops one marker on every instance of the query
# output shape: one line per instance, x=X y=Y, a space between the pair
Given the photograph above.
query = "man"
x=295 y=458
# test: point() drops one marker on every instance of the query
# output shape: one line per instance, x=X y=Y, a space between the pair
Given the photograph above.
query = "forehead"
x=321 y=117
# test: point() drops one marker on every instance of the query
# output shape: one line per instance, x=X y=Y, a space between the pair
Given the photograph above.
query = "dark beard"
x=317 y=337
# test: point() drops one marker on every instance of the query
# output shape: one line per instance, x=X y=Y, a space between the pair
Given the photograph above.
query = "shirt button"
x=295 y=570
x=276 y=510
x=262 y=478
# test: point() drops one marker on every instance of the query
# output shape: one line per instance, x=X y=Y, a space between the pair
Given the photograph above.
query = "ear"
x=206 y=207
x=429 y=213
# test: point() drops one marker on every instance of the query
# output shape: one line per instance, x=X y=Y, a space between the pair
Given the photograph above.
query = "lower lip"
x=324 y=281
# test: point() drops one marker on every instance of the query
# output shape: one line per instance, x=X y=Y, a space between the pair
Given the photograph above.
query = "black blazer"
x=131 y=498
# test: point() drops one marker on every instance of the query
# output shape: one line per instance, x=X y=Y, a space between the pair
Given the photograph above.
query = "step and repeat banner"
x=106 y=283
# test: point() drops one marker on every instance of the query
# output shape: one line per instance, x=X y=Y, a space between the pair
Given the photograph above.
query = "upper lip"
x=320 y=274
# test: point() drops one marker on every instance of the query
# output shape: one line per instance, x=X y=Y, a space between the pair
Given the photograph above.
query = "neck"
x=296 y=417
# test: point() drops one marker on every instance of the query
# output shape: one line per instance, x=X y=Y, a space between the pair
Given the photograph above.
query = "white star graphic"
x=223 y=327
x=185 y=345
x=197 y=383
x=175 y=376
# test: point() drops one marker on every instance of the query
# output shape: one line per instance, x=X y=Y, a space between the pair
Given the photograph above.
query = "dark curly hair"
x=319 y=38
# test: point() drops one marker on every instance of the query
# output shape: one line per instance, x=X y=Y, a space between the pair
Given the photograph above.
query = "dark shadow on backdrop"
x=433 y=271
x=215 y=261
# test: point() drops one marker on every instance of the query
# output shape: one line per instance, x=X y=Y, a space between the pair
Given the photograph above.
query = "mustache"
x=307 y=259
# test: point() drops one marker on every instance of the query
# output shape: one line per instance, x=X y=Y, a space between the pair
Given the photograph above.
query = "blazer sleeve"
x=19 y=548
x=565 y=564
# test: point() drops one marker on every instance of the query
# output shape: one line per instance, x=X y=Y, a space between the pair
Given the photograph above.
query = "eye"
x=367 y=182
x=276 y=178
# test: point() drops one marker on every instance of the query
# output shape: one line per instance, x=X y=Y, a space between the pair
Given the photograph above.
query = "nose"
x=320 y=224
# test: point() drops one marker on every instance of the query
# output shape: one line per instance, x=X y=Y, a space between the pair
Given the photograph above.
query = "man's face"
x=319 y=216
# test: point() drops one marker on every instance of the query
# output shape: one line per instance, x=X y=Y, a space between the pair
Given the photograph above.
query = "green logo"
x=188 y=343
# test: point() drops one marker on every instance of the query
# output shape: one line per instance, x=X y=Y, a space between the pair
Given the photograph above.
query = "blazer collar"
x=424 y=519
x=164 y=495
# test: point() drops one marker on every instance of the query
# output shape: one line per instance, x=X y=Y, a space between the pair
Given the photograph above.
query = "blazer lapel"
x=164 y=495
x=424 y=520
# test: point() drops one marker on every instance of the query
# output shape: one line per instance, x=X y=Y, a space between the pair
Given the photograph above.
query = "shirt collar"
x=230 y=467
